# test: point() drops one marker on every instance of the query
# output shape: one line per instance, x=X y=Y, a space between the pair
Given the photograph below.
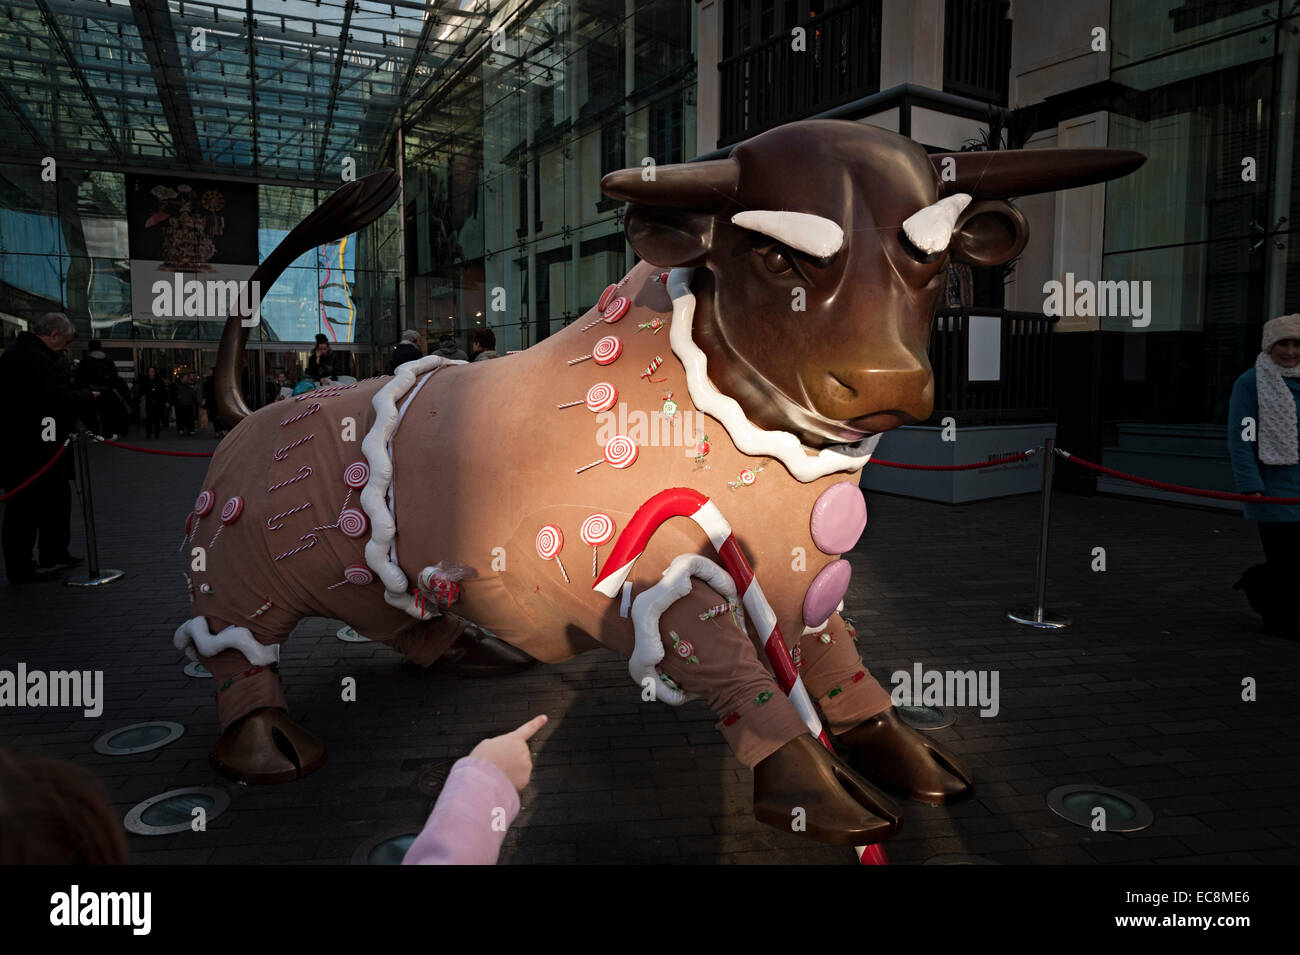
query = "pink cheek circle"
x=838 y=518
x=825 y=593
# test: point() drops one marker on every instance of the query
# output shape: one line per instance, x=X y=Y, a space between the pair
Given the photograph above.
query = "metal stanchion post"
x=1039 y=617
x=94 y=575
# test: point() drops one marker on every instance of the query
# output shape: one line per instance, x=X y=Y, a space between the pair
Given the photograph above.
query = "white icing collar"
x=748 y=437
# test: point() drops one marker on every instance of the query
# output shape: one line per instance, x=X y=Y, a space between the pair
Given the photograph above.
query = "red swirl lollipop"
x=620 y=452
x=356 y=474
x=596 y=530
x=606 y=297
x=550 y=539
x=600 y=397
x=605 y=352
x=616 y=309
x=352 y=522
x=358 y=574
x=232 y=509
x=203 y=504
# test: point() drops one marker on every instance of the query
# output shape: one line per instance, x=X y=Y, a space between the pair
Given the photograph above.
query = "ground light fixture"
x=138 y=738
x=173 y=811
x=1078 y=803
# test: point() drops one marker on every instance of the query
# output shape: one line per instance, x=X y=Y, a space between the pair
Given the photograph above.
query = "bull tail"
x=349 y=208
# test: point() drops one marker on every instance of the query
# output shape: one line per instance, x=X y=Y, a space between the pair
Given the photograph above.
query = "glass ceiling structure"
x=277 y=89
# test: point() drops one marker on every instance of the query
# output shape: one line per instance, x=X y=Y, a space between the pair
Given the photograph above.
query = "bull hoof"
x=267 y=747
x=477 y=653
x=888 y=751
x=838 y=806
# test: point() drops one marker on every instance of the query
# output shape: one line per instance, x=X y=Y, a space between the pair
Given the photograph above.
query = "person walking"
x=41 y=405
x=1264 y=448
x=156 y=401
x=407 y=349
x=483 y=344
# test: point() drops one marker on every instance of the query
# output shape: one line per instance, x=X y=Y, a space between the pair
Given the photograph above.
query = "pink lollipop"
x=549 y=541
x=620 y=452
x=596 y=530
x=358 y=574
x=352 y=522
x=606 y=351
x=232 y=509
x=204 y=502
x=600 y=397
x=356 y=474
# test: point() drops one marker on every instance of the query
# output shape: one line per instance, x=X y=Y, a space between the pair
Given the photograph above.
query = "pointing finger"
x=530 y=728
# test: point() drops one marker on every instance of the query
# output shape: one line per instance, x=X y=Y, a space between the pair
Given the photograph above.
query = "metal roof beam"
x=158 y=35
x=334 y=86
x=52 y=24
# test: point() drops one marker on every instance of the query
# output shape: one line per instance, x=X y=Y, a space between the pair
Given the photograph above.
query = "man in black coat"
x=107 y=416
x=40 y=408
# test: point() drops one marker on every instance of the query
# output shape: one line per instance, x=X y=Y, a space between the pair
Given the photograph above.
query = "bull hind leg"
x=861 y=715
x=259 y=743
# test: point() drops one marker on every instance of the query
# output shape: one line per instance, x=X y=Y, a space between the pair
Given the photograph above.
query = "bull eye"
x=776 y=260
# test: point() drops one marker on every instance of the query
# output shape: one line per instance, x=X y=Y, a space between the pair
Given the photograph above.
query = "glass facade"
x=506 y=227
x=1210 y=97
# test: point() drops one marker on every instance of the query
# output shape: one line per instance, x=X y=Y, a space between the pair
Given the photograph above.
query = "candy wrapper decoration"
x=441 y=582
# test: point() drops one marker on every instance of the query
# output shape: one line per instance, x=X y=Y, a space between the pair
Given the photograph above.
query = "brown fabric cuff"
x=755 y=731
x=242 y=688
x=425 y=641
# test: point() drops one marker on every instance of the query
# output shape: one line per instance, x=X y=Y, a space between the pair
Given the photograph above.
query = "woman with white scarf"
x=1264 y=445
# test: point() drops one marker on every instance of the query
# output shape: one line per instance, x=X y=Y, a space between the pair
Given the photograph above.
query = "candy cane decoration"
x=651 y=368
x=300 y=548
x=303 y=472
x=685 y=502
x=315 y=407
x=284 y=452
x=277 y=522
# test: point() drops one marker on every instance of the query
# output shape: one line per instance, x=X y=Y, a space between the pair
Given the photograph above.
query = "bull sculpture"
x=796 y=282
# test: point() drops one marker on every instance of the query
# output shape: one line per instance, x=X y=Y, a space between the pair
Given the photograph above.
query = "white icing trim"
x=808 y=233
x=376 y=447
x=930 y=229
x=649 y=607
x=747 y=437
x=194 y=633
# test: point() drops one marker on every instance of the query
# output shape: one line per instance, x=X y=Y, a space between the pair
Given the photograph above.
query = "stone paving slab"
x=1143 y=694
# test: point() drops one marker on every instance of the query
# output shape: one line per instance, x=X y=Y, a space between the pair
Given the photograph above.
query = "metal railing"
x=1022 y=392
x=977 y=49
x=772 y=83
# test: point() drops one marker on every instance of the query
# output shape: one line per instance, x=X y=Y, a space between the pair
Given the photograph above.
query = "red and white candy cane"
x=685 y=502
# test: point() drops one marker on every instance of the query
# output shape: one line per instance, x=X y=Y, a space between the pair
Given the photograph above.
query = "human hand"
x=94 y=394
x=509 y=752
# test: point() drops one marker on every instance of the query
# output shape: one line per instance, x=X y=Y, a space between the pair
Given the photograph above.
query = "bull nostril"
x=841 y=389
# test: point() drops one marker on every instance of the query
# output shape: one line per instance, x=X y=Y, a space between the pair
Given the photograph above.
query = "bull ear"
x=989 y=233
x=669 y=238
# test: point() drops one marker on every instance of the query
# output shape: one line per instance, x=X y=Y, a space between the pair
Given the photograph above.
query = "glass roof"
x=175 y=84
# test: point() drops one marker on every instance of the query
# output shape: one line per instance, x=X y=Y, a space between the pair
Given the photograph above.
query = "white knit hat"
x=1284 y=326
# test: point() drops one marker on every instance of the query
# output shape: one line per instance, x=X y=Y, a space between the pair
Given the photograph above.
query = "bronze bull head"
x=823 y=247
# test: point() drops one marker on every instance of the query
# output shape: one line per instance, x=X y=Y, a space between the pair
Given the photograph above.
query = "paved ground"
x=1142 y=694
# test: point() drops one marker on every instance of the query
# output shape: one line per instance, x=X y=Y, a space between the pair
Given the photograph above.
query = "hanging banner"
x=193 y=248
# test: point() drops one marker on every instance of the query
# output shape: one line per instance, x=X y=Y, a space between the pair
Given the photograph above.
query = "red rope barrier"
x=953 y=467
x=44 y=467
x=170 y=454
x=1180 y=488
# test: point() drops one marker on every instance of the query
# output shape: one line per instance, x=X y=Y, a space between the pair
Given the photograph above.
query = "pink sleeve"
x=470 y=819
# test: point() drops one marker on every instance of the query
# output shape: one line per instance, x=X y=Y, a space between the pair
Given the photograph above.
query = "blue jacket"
x=1275 y=480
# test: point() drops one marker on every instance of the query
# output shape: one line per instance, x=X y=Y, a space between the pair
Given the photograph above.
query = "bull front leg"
x=861 y=715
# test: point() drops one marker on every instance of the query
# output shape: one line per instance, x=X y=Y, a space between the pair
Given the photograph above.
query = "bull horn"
x=1002 y=174
x=697 y=185
x=931 y=228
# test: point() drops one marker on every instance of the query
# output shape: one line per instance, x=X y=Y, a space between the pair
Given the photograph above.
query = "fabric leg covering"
x=838 y=665
x=251 y=688
x=423 y=642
